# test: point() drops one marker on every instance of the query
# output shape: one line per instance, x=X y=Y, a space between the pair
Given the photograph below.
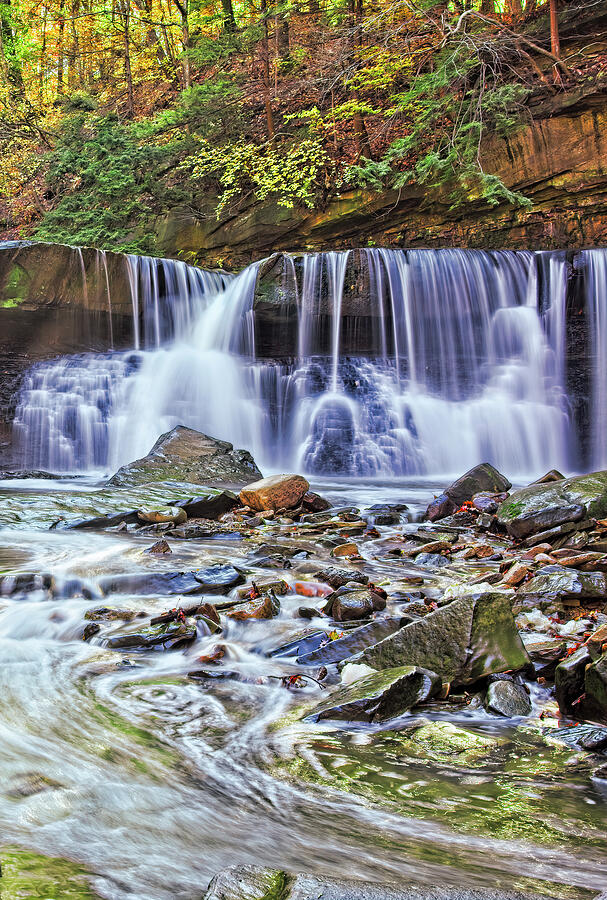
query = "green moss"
x=511 y=510
x=27 y=874
x=16 y=288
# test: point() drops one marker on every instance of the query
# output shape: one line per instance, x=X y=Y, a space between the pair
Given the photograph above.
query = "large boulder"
x=275 y=492
x=379 y=697
x=540 y=507
x=469 y=638
x=481 y=479
x=187 y=455
x=595 y=683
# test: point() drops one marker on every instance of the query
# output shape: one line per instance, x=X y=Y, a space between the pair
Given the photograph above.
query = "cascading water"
x=403 y=362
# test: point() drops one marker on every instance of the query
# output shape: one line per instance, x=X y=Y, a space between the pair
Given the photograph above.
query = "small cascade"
x=596 y=307
x=402 y=363
x=167 y=297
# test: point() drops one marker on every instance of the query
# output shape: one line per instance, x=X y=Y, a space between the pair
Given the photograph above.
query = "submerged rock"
x=469 y=638
x=183 y=454
x=170 y=636
x=211 y=580
x=380 y=697
x=275 y=492
x=480 y=479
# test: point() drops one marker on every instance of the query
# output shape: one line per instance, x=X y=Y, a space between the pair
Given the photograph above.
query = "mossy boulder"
x=542 y=506
x=379 y=697
x=184 y=454
x=469 y=638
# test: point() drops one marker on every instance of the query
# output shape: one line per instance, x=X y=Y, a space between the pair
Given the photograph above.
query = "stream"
x=155 y=782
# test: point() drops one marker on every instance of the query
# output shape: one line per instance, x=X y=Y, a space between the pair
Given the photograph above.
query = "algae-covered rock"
x=569 y=679
x=187 y=455
x=447 y=742
x=469 y=638
x=541 y=506
x=247 y=883
x=379 y=697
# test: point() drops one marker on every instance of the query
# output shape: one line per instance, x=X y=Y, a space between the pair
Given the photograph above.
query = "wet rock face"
x=380 y=697
x=189 y=456
x=482 y=479
x=463 y=641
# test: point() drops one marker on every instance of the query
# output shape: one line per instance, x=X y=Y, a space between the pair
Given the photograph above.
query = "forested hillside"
x=114 y=112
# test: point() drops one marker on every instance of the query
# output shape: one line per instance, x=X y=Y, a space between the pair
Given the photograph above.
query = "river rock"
x=471 y=637
x=169 y=637
x=261 y=608
x=216 y=579
x=379 y=697
x=530 y=509
x=172 y=514
x=275 y=492
x=109 y=613
x=385 y=513
x=481 y=478
x=595 y=684
x=314 y=503
x=505 y=698
x=569 y=679
x=337 y=578
x=349 y=644
x=346 y=605
x=559 y=582
x=129 y=517
x=210 y=506
x=431 y=560
x=183 y=454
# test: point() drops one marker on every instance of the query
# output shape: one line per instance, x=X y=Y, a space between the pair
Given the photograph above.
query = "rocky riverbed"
x=286 y=675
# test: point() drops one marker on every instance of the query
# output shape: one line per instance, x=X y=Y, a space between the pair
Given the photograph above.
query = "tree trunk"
x=125 y=11
x=282 y=35
x=355 y=18
x=182 y=7
x=555 y=41
x=229 y=22
x=265 y=61
x=60 y=33
x=12 y=65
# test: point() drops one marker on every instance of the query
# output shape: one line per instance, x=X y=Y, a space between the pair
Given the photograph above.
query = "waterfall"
x=374 y=363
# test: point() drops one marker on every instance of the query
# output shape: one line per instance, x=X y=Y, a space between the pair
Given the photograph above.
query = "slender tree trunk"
x=60 y=33
x=183 y=8
x=355 y=18
x=12 y=66
x=555 y=41
x=125 y=10
x=227 y=12
x=42 y=70
x=282 y=34
x=265 y=61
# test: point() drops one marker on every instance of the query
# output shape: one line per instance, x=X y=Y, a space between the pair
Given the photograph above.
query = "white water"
x=467 y=363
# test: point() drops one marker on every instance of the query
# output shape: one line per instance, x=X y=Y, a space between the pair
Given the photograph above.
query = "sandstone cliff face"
x=558 y=159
